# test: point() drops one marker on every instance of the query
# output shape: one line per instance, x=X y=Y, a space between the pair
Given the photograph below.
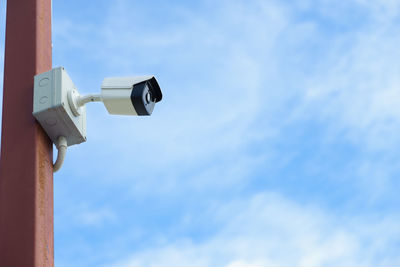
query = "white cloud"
x=268 y=230
x=97 y=217
x=357 y=91
x=85 y=215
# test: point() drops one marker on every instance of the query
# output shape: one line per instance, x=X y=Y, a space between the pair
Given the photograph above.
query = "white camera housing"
x=130 y=95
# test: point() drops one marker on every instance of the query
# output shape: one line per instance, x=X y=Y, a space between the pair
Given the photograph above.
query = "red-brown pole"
x=26 y=170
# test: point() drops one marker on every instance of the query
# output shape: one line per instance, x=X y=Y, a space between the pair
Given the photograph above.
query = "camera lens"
x=148 y=97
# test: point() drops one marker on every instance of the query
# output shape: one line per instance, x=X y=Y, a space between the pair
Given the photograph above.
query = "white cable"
x=62 y=150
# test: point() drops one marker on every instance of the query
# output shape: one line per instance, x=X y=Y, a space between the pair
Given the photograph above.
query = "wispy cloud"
x=268 y=230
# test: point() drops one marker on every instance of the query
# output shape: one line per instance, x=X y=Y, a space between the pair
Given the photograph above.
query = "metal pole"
x=26 y=174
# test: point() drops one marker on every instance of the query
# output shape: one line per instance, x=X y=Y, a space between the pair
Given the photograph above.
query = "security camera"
x=122 y=96
x=60 y=109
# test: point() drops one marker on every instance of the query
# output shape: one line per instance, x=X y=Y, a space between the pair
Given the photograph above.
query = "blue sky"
x=276 y=143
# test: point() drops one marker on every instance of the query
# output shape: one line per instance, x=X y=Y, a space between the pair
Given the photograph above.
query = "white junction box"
x=52 y=110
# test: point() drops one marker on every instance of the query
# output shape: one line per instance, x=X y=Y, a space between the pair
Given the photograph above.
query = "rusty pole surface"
x=26 y=170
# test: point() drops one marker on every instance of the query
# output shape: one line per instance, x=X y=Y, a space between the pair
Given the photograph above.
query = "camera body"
x=130 y=95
